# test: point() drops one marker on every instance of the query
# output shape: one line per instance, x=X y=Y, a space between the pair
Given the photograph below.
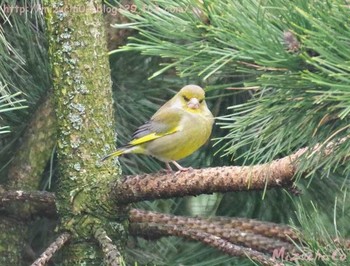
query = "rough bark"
x=217 y=242
x=260 y=236
x=83 y=103
x=278 y=173
x=24 y=173
x=12 y=241
x=52 y=249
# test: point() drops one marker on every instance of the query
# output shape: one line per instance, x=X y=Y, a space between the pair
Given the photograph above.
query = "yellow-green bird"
x=179 y=128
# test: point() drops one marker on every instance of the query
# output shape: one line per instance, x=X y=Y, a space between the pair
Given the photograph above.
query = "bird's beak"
x=193 y=103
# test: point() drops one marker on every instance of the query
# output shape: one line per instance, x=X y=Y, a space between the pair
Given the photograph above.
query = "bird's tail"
x=120 y=151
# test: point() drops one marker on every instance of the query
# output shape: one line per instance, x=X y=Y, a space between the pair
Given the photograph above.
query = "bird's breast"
x=194 y=131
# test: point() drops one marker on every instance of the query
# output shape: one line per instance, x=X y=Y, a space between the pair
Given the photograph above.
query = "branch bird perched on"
x=179 y=128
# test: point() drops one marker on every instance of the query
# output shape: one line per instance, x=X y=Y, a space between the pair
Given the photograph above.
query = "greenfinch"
x=179 y=128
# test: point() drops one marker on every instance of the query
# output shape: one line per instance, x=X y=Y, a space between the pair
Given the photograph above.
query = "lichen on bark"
x=83 y=100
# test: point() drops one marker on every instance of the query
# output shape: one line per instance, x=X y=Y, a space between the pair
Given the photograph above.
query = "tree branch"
x=264 y=228
x=52 y=249
x=220 y=232
x=260 y=236
x=212 y=240
x=44 y=197
x=110 y=251
x=24 y=172
x=278 y=173
x=36 y=202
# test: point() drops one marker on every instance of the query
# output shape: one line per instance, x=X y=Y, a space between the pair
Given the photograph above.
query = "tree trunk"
x=25 y=172
x=83 y=98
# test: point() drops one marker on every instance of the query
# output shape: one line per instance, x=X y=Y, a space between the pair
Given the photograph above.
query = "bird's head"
x=192 y=98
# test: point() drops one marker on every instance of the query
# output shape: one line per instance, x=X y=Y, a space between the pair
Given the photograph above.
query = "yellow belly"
x=183 y=142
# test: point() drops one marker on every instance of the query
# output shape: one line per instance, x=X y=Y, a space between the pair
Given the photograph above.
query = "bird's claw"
x=185 y=169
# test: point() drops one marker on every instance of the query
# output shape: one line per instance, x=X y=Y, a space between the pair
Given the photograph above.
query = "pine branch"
x=52 y=249
x=110 y=251
x=272 y=230
x=210 y=239
x=257 y=235
x=278 y=173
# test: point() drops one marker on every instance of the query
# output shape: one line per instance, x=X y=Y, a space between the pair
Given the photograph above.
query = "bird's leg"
x=168 y=167
x=181 y=169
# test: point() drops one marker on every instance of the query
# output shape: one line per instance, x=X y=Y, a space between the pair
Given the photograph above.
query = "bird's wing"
x=161 y=124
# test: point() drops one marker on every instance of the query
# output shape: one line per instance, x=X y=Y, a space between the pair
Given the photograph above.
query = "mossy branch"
x=34 y=148
x=110 y=251
x=24 y=173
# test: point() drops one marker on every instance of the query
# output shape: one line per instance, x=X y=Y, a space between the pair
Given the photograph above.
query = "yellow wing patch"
x=151 y=136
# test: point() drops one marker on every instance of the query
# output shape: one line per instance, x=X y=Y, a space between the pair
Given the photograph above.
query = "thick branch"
x=83 y=106
x=52 y=249
x=278 y=173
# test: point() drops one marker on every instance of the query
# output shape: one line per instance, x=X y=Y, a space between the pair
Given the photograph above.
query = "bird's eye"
x=200 y=101
x=185 y=98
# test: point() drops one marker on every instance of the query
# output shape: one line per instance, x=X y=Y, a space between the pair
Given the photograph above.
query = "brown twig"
x=43 y=197
x=52 y=249
x=36 y=202
x=283 y=232
x=40 y=203
x=110 y=251
x=278 y=173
